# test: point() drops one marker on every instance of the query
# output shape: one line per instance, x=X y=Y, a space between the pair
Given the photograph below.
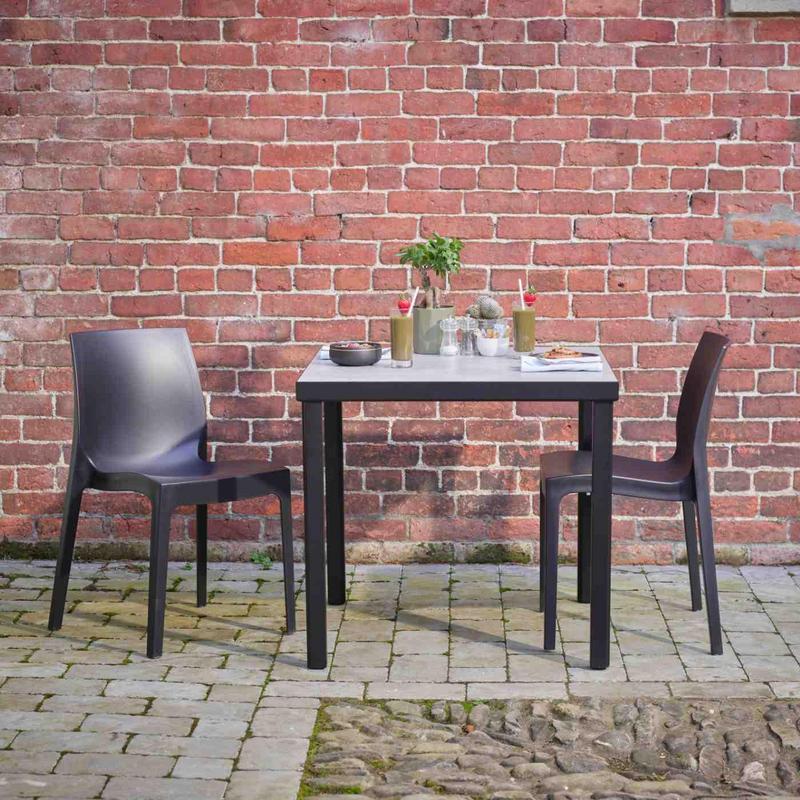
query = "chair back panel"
x=137 y=395
x=697 y=396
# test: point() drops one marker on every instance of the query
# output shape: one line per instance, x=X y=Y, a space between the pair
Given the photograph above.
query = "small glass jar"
x=449 y=346
x=469 y=328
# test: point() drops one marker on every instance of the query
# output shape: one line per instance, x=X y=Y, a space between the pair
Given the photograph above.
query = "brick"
x=677 y=8
x=82 y=54
x=600 y=153
x=595 y=104
x=745 y=55
x=602 y=8
x=431 y=103
x=624 y=30
x=750 y=105
x=513 y=103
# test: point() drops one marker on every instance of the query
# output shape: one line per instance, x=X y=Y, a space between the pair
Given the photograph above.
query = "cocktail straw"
x=413 y=300
x=521 y=295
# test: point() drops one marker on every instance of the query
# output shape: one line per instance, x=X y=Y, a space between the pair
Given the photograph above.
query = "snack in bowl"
x=493 y=340
x=560 y=353
x=355 y=354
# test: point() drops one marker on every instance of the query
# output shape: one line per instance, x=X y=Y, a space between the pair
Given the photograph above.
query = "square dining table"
x=324 y=386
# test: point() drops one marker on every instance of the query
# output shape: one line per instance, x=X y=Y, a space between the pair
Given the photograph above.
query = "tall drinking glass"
x=524 y=328
x=402 y=331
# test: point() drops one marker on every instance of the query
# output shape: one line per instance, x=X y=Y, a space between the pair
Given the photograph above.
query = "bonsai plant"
x=440 y=255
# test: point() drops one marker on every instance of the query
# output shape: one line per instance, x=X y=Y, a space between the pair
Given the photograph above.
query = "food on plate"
x=561 y=352
x=353 y=345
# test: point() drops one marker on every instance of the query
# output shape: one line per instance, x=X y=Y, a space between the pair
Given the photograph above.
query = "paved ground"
x=229 y=710
x=663 y=749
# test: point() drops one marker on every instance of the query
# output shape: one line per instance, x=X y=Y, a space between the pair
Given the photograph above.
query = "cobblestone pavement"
x=229 y=709
x=521 y=750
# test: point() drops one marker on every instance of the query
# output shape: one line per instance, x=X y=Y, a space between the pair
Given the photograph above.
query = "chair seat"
x=187 y=479
x=569 y=471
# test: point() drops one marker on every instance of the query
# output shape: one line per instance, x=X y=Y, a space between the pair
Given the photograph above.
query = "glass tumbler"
x=402 y=333
x=524 y=328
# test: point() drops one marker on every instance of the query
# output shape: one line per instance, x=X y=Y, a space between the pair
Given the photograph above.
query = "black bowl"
x=355 y=357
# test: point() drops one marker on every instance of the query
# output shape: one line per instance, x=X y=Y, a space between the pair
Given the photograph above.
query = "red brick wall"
x=251 y=176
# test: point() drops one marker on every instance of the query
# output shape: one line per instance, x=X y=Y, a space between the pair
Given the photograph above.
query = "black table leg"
x=585 y=410
x=313 y=493
x=334 y=502
x=600 y=612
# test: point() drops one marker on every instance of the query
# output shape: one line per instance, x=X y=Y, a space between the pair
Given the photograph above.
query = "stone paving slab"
x=229 y=710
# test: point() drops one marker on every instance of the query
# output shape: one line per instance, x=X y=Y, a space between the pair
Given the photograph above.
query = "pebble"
x=408 y=791
x=579 y=762
x=762 y=749
x=403 y=707
x=625 y=714
x=530 y=771
x=458 y=714
x=439 y=712
x=619 y=741
x=712 y=762
x=479 y=715
x=341 y=783
x=566 y=732
x=661 y=788
x=594 y=781
x=788 y=734
x=680 y=741
x=754 y=771
x=649 y=759
x=568 y=710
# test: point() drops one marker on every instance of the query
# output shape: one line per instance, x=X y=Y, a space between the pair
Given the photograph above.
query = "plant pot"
x=427 y=333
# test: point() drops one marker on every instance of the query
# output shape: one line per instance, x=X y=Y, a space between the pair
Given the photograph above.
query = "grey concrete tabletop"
x=434 y=377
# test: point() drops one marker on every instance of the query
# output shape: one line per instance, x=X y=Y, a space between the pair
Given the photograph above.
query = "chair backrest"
x=697 y=396
x=137 y=395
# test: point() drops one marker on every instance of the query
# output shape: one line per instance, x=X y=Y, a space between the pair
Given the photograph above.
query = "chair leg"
x=542 y=550
x=202 y=555
x=66 y=547
x=709 y=565
x=287 y=552
x=159 y=552
x=551 y=521
x=690 y=531
x=584 y=547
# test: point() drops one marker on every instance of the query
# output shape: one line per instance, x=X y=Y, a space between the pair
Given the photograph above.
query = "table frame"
x=323 y=490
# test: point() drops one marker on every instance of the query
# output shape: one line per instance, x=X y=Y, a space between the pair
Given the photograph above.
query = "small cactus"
x=487 y=308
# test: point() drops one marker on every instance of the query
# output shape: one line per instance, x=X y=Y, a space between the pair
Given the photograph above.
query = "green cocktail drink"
x=402 y=330
x=524 y=329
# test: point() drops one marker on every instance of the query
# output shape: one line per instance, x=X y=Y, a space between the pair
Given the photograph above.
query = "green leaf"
x=440 y=254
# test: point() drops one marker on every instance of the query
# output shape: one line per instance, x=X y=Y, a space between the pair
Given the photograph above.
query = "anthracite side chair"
x=140 y=426
x=682 y=478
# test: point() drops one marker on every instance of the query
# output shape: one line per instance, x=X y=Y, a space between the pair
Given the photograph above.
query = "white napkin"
x=588 y=363
x=325 y=353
